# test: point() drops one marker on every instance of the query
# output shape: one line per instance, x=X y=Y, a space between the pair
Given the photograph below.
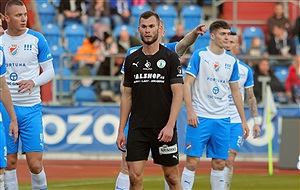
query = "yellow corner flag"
x=270 y=112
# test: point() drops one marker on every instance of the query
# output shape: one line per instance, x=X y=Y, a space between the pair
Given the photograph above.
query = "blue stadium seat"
x=46 y=12
x=281 y=73
x=85 y=94
x=248 y=34
x=168 y=13
x=117 y=30
x=137 y=10
x=191 y=16
x=52 y=33
x=202 y=41
x=56 y=51
x=66 y=84
x=74 y=36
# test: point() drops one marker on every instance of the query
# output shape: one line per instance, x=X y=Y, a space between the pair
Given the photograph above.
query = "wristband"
x=256 y=120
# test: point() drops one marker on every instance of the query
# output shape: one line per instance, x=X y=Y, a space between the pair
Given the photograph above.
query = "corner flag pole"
x=270 y=111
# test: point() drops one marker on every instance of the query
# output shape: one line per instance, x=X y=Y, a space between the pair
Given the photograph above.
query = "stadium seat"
x=74 y=36
x=46 y=12
x=202 y=41
x=248 y=34
x=191 y=16
x=137 y=10
x=65 y=90
x=52 y=34
x=85 y=94
x=281 y=73
x=117 y=30
x=168 y=13
x=56 y=51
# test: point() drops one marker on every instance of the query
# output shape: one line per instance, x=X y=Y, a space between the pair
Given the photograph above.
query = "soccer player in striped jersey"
x=210 y=73
x=5 y=98
x=180 y=48
x=26 y=51
x=246 y=87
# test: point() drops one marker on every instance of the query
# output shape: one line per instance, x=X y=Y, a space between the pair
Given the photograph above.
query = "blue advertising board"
x=95 y=129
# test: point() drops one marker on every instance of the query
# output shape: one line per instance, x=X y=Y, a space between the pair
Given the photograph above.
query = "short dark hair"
x=148 y=14
x=11 y=3
x=218 y=24
x=92 y=39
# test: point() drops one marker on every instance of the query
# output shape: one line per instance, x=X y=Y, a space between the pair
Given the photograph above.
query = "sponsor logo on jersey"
x=179 y=70
x=215 y=90
x=217 y=66
x=13 y=76
x=147 y=65
x=165 y=149
x=227 y=66
x=161 y=63
x=27 y=46
x=14 y=50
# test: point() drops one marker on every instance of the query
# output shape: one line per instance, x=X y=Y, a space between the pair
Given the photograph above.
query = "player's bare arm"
x=125 y=107
x=252 y=104
x=187 y=97
x=166 y=134
x=7 y=102
x=190 y=38
x=237 y=98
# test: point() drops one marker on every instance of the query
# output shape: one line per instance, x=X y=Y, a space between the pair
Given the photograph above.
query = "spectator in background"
x=72 y=10
x=281 y=43
x=278 y=19
x=176 y=38
x=296 y=29
x=124 y=41
x=263 y=69
x=120 y=13
x=99 y=12
x=179 y=34
x=256 y=50
x=292 y=83
x=103 y=88
x=89 y=54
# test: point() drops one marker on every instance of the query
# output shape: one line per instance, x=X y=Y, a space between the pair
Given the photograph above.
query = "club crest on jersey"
x=161 y=63
x=217 y=66
x=14 y=50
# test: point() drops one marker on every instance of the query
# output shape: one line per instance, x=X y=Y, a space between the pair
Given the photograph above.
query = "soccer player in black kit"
x=153 y=96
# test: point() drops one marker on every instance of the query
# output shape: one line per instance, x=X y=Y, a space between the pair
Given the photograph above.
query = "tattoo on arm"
x=251 y=101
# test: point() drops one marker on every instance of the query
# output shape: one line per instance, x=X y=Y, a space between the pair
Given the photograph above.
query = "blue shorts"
x=30 y=129
x=236 y=136
x=212 y=134
x=3 y=150
x=126 y=129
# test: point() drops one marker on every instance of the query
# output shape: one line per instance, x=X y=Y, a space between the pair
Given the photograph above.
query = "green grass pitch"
x=239 y=182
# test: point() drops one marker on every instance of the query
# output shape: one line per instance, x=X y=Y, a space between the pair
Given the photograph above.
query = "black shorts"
x=140 y=141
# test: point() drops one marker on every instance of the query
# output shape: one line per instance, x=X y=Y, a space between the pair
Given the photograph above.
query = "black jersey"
x=150 y=78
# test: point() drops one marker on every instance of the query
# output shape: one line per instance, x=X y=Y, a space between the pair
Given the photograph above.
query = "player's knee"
x=135 y=179
x=173 y=179
x=192 y=164
x=12 y=162
x=35 y=167
x=218 y=164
